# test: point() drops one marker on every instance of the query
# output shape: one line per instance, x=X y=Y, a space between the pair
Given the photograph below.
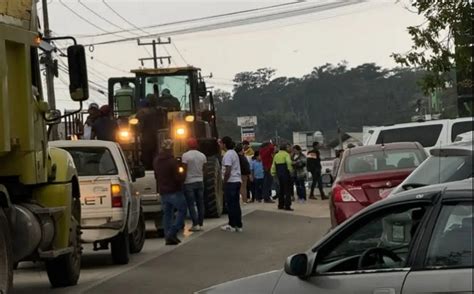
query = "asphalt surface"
x=203 y=259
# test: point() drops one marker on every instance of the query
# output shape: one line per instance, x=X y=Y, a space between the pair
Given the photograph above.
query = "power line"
x=142 y=29
x=179 y=53
x=83 y=18
x=240 y=22
x=103 y=18
x=124 y=19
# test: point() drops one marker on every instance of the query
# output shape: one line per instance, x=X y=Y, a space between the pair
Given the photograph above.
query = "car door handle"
x=385 y=291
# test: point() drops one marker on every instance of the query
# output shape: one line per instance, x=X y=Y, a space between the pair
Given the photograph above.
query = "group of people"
x=245 y=170
x=99 y=124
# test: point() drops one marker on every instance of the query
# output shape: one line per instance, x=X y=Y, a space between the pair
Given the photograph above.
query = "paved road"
x=202 y=260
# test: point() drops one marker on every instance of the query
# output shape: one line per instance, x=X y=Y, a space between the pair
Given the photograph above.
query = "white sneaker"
x=239 y=230
x=228 y=228
x=195 y=229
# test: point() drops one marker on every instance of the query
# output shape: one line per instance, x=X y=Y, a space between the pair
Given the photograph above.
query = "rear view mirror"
x=297 y=265
x=53 y=117
x=78 y=81
x=202 y=89
x=138 y=172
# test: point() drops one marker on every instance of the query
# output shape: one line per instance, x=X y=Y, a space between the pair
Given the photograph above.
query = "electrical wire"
x=240 y=22
x=190 y=20
x=179 y=53
x=103 y=18
x=83 y=18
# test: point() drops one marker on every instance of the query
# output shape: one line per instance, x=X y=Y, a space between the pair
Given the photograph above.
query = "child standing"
x=257 y=175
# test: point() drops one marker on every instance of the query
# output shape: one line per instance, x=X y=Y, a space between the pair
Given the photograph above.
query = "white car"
x=111 y=208
x=429 y=134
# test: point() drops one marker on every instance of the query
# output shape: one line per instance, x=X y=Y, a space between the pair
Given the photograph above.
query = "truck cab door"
x=123 y=96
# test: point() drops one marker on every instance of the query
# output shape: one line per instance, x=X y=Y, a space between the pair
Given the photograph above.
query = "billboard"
x=246 y=121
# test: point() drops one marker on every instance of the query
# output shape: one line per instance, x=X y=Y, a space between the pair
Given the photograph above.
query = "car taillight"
x=342 y=195
x=116 y=195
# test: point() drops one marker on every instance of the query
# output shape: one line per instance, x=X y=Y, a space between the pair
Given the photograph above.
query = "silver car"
x=449 y=163
x=418 y=242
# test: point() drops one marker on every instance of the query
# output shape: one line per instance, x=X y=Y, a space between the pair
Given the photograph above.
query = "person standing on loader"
x=168 y=101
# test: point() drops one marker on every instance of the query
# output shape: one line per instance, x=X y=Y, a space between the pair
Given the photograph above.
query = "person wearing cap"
x=105 y=127
x=170 y=176
x=194 y=161
x=148 y=129
x=94 y=113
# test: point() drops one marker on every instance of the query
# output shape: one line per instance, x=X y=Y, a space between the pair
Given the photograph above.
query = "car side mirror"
x=297 y=265
x=78 y=81
x=138 y=172
x=53 y=117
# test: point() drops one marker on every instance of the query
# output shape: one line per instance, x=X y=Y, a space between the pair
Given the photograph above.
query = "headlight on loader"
x=124 y=136
x=180 y=132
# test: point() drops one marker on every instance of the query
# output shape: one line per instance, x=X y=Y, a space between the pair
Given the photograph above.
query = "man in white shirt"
x=232 y=182
x=194 y=183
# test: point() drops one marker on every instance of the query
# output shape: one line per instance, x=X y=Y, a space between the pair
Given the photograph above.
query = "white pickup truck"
x=111 y=207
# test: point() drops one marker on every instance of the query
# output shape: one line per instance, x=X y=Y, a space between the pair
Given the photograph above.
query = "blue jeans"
x=194 y=193
x=170 y=202
x=232 y=198
x=300 y=188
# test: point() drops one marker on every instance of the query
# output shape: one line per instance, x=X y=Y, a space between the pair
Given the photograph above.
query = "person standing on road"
x=299 y=165
x=336 y=162
x=94 y=113
x=105 y=127
x=244 y=172
x=266 y=155
x=258 y=176
x=232 y=183
x=315 y=168
x=248 y=151
x=194 y=161
x=282 y=168
x=170 y=177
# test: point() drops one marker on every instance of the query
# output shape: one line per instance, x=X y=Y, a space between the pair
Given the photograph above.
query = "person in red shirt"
x=266 y=154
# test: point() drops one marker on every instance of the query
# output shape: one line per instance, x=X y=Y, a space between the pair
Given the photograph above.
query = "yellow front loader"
x=39 y=192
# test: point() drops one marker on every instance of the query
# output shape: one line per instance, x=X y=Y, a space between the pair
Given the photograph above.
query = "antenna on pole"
x=155 y=56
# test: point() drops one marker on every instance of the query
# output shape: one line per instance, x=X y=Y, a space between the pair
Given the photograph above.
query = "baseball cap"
x=93 y=105
x=192 y=143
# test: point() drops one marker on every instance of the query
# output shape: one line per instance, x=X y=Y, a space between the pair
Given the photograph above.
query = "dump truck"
x=161 y=103
x=40 y=206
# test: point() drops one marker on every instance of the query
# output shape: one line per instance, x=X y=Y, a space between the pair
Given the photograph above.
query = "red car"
x=367 y=174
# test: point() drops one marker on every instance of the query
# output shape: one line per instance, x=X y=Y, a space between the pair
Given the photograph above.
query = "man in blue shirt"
x=258 y=175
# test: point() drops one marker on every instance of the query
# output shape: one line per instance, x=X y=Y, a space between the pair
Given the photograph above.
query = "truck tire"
x=6 y=256
x=64 y=271
x=121 y=247
x=213 y=193
x=137 y=238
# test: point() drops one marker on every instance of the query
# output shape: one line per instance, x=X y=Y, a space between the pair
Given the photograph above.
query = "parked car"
x=366 y=173
x=467 y=136
x=446 y=164
x=428 y=133
x=111 y=208
x=420 y=242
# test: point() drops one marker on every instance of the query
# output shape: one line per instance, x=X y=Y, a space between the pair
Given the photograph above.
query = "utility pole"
x=339 y=135
x=155 y=57
x=49 y=63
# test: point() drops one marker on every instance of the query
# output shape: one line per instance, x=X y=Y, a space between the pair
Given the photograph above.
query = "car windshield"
x=176 y=85
x=383 y=160
x=441 y=169
x=93 y=161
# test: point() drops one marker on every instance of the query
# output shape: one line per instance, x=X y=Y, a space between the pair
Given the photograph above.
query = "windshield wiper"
x=412 y=186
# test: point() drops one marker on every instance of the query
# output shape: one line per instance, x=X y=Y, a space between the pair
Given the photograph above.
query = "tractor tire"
x=121 y=247
x=64 y=271
x=137 y=238
x=213 y=188
x=6 y=255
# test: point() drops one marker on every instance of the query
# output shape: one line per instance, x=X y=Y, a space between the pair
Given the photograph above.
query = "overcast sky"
x=357 y=32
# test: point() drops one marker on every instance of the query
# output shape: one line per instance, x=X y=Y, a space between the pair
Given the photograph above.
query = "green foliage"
x=440 y=44
x=328 y=96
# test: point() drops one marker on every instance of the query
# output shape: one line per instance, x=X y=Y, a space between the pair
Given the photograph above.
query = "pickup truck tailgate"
x=96 y=198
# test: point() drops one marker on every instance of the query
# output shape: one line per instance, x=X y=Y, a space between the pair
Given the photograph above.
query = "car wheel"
x=121 y=247
x=137 y=238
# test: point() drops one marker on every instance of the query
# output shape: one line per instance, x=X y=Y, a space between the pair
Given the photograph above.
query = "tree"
x=442 y=43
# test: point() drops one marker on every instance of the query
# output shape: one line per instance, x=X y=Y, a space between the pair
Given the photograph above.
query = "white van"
x=428 y=133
